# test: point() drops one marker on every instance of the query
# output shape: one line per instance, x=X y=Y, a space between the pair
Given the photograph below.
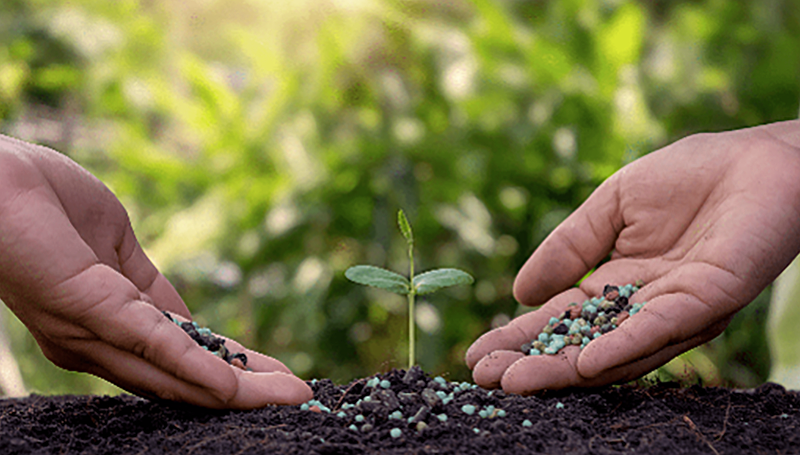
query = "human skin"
x=707 y=222
x=73 y=272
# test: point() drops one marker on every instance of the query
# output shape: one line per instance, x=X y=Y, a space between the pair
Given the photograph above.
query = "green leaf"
x=379 y=278
x=405 y=227
x=434 y=280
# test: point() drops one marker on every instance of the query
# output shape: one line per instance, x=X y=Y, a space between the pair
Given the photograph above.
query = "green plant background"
x=263 y=147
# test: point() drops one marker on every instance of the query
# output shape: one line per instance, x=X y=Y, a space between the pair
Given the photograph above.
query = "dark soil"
x=662 y=418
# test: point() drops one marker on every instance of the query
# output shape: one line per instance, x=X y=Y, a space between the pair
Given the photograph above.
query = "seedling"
x=412 y=286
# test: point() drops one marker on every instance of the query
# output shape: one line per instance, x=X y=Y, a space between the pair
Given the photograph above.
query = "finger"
x=129 y=372
x=257 y=390
x=490 y=369
x=531 y=374
x=522 y=329
x=253 y=390
x=573 y=248
x=255 y=360
x=109 y=308
x=640 y=367
x=542 y=372
x=143 y=331
x=137 y=267
x=188 y=362
x=172 y=366
x=681 y=305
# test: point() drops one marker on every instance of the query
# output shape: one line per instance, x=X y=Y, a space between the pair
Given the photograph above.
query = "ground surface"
x=655 y=420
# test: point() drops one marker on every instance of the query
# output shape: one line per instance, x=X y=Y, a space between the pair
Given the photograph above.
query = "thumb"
x=573 y=248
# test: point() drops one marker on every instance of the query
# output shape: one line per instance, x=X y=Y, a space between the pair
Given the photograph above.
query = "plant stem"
x=411 y=294
x=410 y=330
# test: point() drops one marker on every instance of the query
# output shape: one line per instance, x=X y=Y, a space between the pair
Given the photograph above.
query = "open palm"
x=72 y=270
x=707 y=222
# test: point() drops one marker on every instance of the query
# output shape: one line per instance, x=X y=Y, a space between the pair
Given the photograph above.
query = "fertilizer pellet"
x=579 y=324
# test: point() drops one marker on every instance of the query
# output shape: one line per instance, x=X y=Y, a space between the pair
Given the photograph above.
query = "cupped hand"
x=72 y=270
x=707 y=223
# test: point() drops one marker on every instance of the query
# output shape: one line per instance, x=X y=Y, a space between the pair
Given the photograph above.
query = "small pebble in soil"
x=396 y=432
x=430 y=397
x=526 y=423
x=468 y=409
x=559 y=405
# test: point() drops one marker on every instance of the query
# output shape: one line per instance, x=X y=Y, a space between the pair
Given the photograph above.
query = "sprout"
x=424 y=283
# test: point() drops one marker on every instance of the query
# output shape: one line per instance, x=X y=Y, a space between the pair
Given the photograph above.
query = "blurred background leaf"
x=262 y=148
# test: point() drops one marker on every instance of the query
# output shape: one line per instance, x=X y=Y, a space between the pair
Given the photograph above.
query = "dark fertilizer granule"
x=404 y=415
x=210 y=342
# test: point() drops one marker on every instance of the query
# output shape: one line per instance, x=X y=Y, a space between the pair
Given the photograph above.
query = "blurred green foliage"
x=262 y=148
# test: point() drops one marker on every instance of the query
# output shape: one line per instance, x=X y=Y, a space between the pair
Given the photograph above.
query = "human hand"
x=72 y=270
x=707 y=222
